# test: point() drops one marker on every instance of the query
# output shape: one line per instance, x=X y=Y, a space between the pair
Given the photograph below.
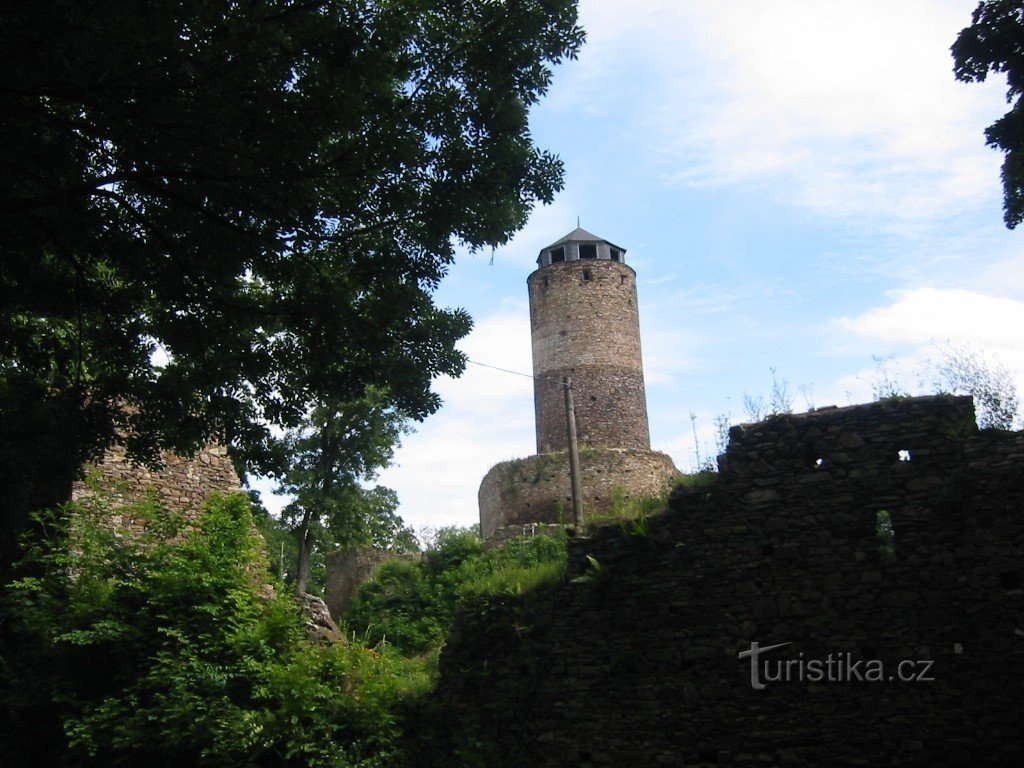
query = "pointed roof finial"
x=577 y=221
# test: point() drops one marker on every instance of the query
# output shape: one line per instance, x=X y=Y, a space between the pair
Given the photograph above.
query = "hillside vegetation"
x=179 y=647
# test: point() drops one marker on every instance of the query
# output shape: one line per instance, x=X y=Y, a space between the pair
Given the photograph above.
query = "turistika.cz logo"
x=834 y=668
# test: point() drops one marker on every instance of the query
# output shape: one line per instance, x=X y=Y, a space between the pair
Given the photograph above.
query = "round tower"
x=585 y=325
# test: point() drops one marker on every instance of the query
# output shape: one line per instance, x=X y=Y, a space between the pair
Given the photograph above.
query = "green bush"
x=451 y=547
x=411 y=605
x=401 y=606
x=518 y=567
x=161 y=651
x=631 y=512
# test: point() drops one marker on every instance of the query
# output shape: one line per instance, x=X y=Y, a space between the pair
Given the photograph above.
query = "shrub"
x=401 y=606
x=411 y=605
x=162 y=652
x=520 y=566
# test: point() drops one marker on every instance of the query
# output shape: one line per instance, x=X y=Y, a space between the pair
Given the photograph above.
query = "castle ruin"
x=181 y=483
x=585 y=326
x=876 y=555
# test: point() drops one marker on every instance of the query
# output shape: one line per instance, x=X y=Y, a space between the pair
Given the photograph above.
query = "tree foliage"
x=338 y=449
x=966 y=371
x=164 y=651
x=995 y=43
x=411 y=605
x=216 y=215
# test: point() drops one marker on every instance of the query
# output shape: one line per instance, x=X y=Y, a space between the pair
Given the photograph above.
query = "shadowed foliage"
x=995 y=43
x=217 y=214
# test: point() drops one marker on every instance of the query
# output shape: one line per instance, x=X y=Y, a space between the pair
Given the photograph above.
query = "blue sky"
x=800 y=185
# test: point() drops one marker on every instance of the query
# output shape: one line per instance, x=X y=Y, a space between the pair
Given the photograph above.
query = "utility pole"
x=574 y=456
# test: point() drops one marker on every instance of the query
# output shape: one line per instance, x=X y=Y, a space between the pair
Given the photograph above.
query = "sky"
x=801 y=186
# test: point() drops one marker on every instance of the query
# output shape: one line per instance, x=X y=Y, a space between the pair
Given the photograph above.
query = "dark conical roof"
x=580 y=235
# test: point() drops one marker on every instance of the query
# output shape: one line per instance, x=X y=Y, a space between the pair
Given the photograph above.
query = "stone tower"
x=584 y=324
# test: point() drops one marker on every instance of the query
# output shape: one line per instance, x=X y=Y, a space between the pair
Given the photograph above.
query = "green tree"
x=216 y=215
x=340 y=448
x=411 y=605
x=964 y=370
x=385 y=528
x=995 y=43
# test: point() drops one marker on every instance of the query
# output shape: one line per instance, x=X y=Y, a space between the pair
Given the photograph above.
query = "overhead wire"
x=516 y=373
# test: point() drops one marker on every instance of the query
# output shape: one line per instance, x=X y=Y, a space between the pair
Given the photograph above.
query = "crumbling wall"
x=349 y=569
x=636 y=660
x=182 y=484
x=536 y=490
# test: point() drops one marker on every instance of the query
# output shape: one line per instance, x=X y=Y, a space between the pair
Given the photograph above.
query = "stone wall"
x=537 y=489
x=635 y=660
x=347 y=570
x=182 y=484
x=584 y=324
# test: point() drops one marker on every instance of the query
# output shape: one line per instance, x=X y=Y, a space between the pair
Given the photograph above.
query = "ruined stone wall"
x=584 y=324
x=634 y=661
x=347 y=570
x=182 y=484
x=537 y=489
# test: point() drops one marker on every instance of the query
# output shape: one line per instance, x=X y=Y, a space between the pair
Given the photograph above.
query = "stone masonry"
x=635 y=659
x=348 y=569
x=585 y=326
x=182 y=484
x=536 y=489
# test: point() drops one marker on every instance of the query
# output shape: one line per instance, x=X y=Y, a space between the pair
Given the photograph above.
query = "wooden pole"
x=574 y=456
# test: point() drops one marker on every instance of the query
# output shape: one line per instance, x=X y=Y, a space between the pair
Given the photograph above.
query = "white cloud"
x=668 y=352
x=922 y=321
x=847 y=107
x=439 y=469
x=487 y=418
x=265 y=487
x=497 y=341
x=924 y=314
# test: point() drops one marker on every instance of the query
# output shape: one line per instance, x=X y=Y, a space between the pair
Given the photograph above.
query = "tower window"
x=616 y=254
x=588 y=251
x=557 y=255
x=586 y=274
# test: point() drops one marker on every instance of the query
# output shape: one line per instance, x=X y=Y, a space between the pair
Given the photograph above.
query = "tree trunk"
x=305 y=555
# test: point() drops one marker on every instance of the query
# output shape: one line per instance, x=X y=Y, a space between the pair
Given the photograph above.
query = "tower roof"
x=568 y=248
x=580 y=235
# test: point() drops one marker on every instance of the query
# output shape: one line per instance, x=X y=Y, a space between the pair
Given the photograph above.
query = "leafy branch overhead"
x=995 y=43
x=216 y=215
